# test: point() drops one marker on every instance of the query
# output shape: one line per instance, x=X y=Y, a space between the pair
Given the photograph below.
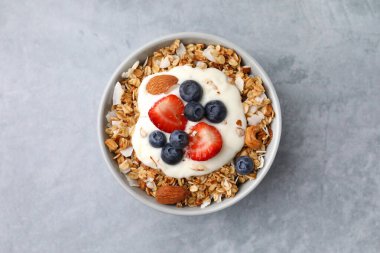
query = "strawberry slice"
x=167 y=114
x=205 y=142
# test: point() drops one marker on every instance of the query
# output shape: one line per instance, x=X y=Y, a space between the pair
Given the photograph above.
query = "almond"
x=168 y=195
x=161 y=84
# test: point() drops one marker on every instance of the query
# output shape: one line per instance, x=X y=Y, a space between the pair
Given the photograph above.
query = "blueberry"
x=179 y=139
x=216 y=111
x=171 y=155
x=244 y=165
x=194 y=111
x=157 y=139
x=190 y=91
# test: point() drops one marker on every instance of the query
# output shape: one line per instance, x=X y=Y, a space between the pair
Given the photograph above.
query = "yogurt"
x=215 y=87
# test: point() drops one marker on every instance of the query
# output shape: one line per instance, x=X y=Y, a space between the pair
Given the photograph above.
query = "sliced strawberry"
x=167 y=114
x=205 y=142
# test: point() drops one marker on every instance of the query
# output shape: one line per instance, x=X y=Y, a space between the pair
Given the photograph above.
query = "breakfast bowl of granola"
x=189 y=124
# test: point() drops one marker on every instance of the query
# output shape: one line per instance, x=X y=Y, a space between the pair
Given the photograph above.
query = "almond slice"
x=161 y=84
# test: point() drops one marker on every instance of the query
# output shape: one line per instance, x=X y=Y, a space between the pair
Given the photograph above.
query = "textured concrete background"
x=322 y=193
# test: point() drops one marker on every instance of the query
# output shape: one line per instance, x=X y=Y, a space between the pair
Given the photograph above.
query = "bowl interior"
x=140 y=55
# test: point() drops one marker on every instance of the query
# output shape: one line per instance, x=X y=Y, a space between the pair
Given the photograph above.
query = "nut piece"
x=169 y=195
x=161 y=84
x=251 y=137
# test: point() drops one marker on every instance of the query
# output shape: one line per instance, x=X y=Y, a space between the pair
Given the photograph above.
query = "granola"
x=220 y=184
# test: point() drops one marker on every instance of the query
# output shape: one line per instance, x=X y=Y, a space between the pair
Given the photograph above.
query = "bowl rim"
x=189 y=211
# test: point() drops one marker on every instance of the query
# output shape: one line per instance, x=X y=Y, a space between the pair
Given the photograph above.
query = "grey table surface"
x=322 y=193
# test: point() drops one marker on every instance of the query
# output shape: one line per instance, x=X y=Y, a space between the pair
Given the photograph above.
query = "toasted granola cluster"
x=219 y=184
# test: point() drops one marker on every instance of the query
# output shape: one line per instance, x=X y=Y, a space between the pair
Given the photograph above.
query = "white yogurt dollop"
x=215 y=87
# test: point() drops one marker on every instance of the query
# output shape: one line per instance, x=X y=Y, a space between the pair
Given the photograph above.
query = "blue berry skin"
x=216 y=111
x=171 y=155
x=244 y=165
x=179 y=139
x=190 y=90
x=194 y=111
x=157 y=139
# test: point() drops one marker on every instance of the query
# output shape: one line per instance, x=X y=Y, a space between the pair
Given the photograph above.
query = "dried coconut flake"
x=181 y=50
x=127 y=152
x=201 y=65
x=124 y=167
x=117 y=94
x=135 y=65
x=116 y=123
x=208 y=55
x=217 y=198
x=130 y=70
x=109 y=115
x=239 y=83
x=206 y=203
x=261 y=159
x=261 y=98
x=132 y=182
x=146 y=61
x=255 y=119
x=252 y=109
x=165 y=63
x=150 y=183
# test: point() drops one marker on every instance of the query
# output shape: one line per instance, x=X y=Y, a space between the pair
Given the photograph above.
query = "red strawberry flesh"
x=205 y=142
x=167 y=114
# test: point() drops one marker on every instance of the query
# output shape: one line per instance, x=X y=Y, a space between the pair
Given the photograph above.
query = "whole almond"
x=168 y=195
x=161 y=84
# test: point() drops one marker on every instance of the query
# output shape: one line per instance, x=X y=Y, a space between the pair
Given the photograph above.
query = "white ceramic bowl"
x=141 y=54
